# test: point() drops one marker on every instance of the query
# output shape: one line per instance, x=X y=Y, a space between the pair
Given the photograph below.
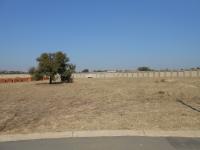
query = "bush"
x=85 y=70
x=144 y=69
x=36 y=75
x=67 y=75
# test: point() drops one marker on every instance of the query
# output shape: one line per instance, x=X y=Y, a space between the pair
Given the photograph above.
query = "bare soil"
x=95 y=104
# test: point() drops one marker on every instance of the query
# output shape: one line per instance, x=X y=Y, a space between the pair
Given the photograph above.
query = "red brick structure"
x=18 y=79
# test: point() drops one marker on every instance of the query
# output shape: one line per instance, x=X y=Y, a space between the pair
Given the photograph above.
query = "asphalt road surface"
x=106 y=143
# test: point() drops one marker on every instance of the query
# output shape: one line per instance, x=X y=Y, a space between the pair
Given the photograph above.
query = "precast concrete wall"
x=140 y=74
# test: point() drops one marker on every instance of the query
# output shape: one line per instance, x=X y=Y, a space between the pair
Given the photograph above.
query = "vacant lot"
x=94 y=104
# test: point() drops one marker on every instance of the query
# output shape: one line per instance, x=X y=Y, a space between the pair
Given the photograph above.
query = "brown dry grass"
x=94 y=104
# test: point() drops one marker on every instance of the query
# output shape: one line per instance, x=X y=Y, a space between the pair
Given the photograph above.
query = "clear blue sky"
x=101 y=34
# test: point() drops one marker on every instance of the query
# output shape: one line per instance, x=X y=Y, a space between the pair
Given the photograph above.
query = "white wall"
x=149 y=74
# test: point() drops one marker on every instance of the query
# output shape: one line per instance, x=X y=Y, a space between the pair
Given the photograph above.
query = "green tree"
x=66 y=75
x=144 y=68
x=50 y=64
x=85 y=70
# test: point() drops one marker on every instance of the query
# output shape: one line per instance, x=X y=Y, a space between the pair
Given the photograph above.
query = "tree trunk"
x=50 y=80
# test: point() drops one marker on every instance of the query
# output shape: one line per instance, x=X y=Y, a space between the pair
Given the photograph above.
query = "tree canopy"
x=50 y=64
x=85 y=70
x=144 y=68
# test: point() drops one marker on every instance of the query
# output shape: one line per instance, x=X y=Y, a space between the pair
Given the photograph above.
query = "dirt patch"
x=95 y=104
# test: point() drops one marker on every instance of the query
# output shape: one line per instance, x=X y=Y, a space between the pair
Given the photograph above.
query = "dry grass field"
x=95 y=104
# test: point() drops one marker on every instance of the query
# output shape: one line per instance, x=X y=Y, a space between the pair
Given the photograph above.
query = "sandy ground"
x=95 y=104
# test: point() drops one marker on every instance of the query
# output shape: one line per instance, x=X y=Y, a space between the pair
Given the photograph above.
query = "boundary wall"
x=140 y=74
x=13 y=78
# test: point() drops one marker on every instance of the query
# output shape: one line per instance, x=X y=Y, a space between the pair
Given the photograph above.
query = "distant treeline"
x=12 y=72
x=143 y=68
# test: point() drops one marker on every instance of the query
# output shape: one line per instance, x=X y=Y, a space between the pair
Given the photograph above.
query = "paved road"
x=105 y=143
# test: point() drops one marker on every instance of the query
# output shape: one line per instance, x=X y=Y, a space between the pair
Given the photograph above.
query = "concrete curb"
x=99 y=133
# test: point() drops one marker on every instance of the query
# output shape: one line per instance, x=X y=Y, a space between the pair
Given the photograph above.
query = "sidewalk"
x=100 y=133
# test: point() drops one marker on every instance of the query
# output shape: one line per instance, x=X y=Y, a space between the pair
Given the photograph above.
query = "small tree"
x=144 y=69
x=50 y=64
x=85 y=70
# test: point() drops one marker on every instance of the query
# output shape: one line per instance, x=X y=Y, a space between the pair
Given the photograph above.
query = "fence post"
x=190 y=73
x=165 y=74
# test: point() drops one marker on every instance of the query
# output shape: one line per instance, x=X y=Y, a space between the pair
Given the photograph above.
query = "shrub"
x=36 y=75
x=144 y=69
x=85 y=70
x=66 y=76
